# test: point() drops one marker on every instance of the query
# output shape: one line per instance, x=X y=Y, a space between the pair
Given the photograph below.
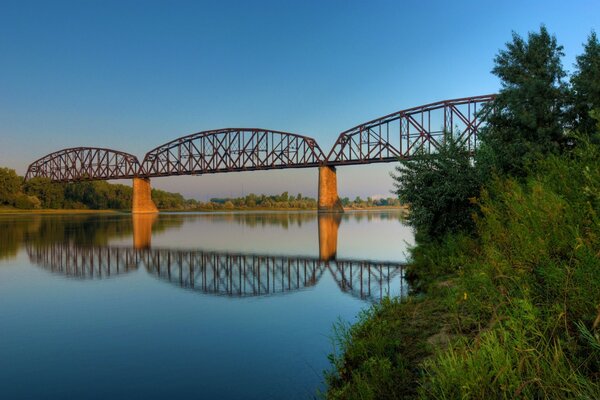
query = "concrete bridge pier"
x=329 y=200
x=142 y=197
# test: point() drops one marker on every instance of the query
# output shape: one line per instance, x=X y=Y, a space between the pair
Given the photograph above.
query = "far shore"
x=16 y=211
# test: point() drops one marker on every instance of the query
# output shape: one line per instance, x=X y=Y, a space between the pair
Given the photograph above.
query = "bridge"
x=395 y=136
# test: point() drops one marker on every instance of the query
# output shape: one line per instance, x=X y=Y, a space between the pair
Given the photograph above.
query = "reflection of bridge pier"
x=328 y=235
x=142 y=230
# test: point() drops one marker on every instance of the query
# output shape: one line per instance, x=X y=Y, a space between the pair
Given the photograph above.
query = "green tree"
x=10 y=185
x=438 y=187
x=51 y=195
x=586 y=86
x=528 y=116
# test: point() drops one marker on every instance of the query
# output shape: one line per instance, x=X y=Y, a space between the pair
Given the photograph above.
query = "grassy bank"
x=511 y=312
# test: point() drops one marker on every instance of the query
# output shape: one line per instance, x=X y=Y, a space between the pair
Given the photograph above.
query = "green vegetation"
x=253 y=201
x=41 y=193
x=506 y=305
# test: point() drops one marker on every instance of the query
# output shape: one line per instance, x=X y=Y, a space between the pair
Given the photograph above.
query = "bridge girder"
x=403 y=133
x=232 y=149
x=386 y=139
x=84 y=163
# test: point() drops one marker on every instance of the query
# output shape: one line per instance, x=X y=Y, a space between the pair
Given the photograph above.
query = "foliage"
x=25 y=202
x=438 y=187
x=528 y=116
x=377 y=356
x=50 y=194
x=539 y=263
x=586 y=86
x=519 y=297
x=10 y=184
x=252 y=200
x=518 y=304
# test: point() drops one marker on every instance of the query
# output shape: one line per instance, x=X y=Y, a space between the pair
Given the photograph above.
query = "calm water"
x=225 y=306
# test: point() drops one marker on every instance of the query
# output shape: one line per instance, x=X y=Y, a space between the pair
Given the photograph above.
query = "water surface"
x=227 y=306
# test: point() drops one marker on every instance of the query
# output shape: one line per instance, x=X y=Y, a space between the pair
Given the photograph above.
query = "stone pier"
x=142 y=197
x=329 y=200
x=328 y=235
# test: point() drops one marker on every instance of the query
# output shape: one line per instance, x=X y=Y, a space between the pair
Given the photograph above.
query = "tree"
x=10 y=185
x=586 y=86
x=528 y=115
x=438 y=188
x=51 y=195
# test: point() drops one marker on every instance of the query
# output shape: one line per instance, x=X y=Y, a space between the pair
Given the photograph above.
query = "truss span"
x=232 y=149
x=84 y=163
x=403 y=133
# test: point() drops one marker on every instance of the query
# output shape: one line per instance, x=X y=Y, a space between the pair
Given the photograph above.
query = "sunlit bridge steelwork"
x=85 y=163
x=223 y=274
x=403 y=133
x=399 y=135
x=232 y=149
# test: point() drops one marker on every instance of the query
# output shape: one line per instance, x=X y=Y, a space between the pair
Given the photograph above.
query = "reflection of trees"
x=284 y=219
x=13 y=231
x=223 y=274
x=82 y=230
x=98 y=230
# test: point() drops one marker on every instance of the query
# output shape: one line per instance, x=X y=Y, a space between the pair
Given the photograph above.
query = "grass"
x=518 y=304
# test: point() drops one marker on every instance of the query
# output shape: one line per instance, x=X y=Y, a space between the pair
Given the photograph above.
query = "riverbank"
x=16 y=211
x=11 y=210
x=511 y=312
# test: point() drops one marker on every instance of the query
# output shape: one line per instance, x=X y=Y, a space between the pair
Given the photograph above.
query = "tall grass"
x=518 y=303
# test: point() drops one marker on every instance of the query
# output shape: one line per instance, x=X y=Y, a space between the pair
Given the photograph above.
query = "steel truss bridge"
x=386 y=139
x=222 y=274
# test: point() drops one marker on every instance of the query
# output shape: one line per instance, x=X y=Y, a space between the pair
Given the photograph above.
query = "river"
x=204 y=305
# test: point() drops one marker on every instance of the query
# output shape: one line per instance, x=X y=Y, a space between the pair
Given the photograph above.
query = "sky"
x=132 y=75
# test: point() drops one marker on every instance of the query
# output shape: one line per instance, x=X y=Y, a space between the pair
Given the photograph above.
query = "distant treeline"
x=41 y=193
x=285 y=200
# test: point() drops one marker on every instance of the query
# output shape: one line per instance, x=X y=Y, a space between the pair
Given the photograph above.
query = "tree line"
x=41 y=193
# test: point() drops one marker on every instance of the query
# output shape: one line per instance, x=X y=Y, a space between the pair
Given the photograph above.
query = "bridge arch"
x=401 y=134
x=232 y=149
x=84 y=163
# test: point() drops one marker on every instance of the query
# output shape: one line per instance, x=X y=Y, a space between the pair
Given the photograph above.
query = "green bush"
x=439 y=189
x=26 y=202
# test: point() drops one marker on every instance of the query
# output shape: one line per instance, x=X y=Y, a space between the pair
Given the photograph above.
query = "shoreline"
x=9 y=211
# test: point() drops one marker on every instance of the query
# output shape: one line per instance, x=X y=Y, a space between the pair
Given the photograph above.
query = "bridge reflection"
x=223 y=274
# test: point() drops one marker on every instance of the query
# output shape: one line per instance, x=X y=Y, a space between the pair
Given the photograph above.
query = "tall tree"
x=529 y=114
x=438 y=188
x=51 y=194
x=586 y=86
x=10 y=185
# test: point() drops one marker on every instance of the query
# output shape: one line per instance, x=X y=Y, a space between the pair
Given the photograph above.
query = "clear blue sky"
x=132 y=75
